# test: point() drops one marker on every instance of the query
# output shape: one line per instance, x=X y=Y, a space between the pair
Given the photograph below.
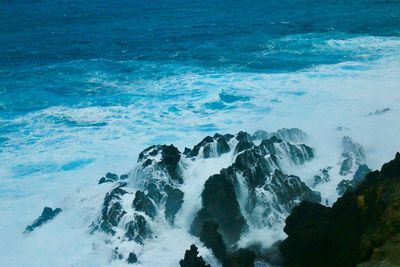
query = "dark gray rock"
x=212 y=146
x=112 y=211
x=143 y=203
x=212 y=239
x=343 y=187
x=192 y=259
x=47 y=215
x=360 y=174
x=173 y=203
x=293 y=135
x=132 y=258
x=162 y=158
x=220 y=205
x=112 y=177
x=138 y=229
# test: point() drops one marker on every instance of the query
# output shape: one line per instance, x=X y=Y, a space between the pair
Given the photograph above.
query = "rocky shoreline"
x=256 y=190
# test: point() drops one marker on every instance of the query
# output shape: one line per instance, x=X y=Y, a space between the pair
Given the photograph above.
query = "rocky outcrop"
x=112 y=211
x=360 y=224
x=132 y=258
x=192 y=259
x=293 y=135
x=48 y=214
x=157 y=163
x=210 y=147
x=352 y=157
x=112 y=177
x=220 y=205
x=254 y=189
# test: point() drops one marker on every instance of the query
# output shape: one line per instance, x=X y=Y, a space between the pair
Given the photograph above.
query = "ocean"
x=86 y=85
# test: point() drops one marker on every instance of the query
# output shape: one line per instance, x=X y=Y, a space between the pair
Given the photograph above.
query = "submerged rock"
x=348 y=233
x=47 y=215
x=192 y=259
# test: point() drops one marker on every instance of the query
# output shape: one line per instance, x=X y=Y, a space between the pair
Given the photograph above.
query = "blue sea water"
x=70 y=70
x=86 y=85
x=73 y=73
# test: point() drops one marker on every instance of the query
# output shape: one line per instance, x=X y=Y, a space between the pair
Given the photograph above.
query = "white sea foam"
x=58 y=155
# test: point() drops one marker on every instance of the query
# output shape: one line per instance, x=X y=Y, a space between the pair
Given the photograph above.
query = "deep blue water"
x=47 y=46
x=89 y=67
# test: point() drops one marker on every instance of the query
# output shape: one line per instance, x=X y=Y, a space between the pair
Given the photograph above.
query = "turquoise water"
x=75 y=74
x=71 y=71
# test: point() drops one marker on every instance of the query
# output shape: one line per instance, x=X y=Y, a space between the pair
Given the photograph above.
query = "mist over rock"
x=47 y=215
x=352 y=157
x=253 y=191
x=210 y=147
x=293 y=135
x=359 y=225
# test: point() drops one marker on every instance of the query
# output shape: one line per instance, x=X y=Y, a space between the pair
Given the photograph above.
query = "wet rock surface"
x=192 y=258
x=47 y=215
x=255 y=190
x=358 y=225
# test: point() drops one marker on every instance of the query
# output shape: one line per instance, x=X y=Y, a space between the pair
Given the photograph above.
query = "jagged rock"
x=112 y=210
x=154 y=192
x=192 y=259
x=360 y=174
x=220 y=204
x=358 y=178
x=243 y=137
x=297 y=154
x=212 y=239
x=173 y=203
x=353 y=155
x=145 y=204
x=240 y=258
x=343 y=187
x=278 y=197
x=346 y=234
x=109 y=178
x=260 y=135
x=210 y=146
x=132 y=258
x=47 y=215
x=293 y=135
x=322 y=177
x=137 y=229
x=155 y=160
x=392 y=168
